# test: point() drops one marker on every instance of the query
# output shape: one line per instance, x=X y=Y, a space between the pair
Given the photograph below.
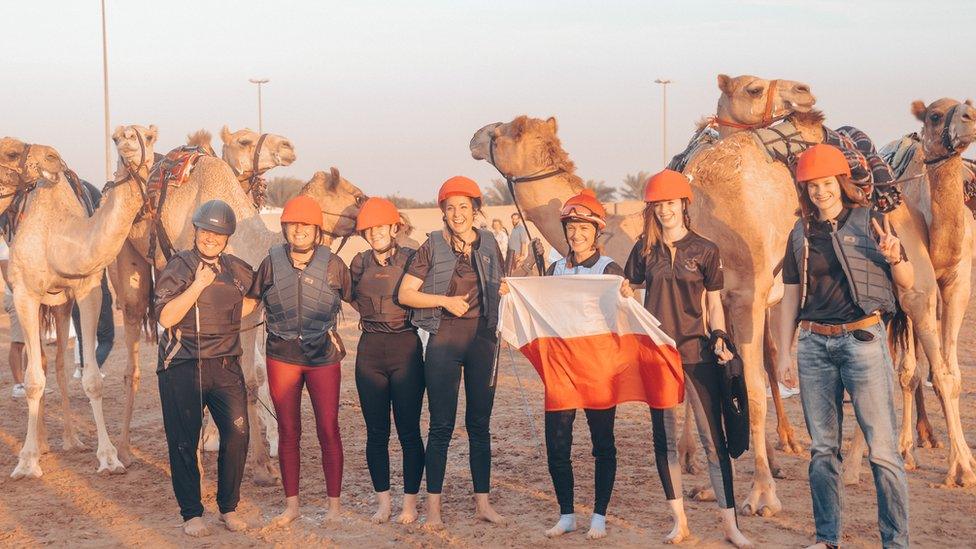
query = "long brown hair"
x=851 y=196
x=654 y=231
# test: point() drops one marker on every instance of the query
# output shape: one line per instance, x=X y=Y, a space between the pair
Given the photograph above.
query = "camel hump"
x=202 y=139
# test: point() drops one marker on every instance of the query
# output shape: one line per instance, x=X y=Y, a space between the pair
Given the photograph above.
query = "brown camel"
x=21 y=165
x=54 y=263
x=936 y=229
x=210 y=179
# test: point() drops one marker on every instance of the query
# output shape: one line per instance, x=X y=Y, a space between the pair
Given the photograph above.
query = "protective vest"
x=596 y=269
x=868 y=273
x=301 y=304
x=442 y=266
x=376 y=287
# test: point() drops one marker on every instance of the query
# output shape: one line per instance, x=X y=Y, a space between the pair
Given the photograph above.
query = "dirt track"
x=71 y=505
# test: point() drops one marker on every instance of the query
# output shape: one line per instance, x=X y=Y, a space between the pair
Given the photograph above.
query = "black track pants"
x=225 y=396
x=559 y=443
x=390 y=372
x=462 y=346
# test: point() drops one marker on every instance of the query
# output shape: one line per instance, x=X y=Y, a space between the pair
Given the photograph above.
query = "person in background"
x=501 y=233
x=15 y=356
x=518 y=245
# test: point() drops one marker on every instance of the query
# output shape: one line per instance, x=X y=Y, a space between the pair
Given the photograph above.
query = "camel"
x=21 y=165
x=936 y=229
x=210 y=179
x=53 y=263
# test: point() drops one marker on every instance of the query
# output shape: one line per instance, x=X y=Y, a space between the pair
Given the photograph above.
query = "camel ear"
x=117 y=134
x=551 y=122
x=225 y=135
x=725 y=84
x=968 y=102
x=336 y=178
x=918 y=109
x=153 y=133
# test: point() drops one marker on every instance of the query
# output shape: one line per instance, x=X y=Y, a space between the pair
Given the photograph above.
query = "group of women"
x=451 y=287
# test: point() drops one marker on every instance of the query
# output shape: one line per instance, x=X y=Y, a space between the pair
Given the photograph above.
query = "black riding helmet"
x=215 y=216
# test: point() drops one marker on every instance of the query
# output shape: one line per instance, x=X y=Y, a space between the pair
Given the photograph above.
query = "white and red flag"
x=592 y=347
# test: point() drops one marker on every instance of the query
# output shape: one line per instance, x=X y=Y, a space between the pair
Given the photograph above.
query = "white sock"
x=566 y=523
x=598 y=522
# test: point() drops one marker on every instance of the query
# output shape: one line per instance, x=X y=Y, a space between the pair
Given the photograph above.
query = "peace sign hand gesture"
x=888 y=243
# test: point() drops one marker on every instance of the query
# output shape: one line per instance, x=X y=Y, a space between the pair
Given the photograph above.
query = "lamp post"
x=108 y=138
x=259 y=81
x=664 y=120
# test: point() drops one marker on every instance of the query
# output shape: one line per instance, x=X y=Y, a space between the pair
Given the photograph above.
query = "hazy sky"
x=390 y=92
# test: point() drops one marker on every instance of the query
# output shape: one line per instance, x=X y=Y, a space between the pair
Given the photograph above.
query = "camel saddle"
x=170 y=171
x=705 y=137
x=901 y=154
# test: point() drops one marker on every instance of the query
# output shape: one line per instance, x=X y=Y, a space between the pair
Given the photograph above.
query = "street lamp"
x=108 y=146
x=259 y=81
x=664 y=120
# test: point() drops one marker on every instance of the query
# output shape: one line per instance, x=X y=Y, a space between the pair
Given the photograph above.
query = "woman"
x=301 y=284
x=842 y=341
x=389 y=361
x=583 y=218
x=452 y=285
x=200 y=299
x=500 y=233
x=682 y=271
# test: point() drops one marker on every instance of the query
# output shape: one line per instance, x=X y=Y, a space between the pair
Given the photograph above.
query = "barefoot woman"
x=682 y=271
x=452 y=284
x=389 y=361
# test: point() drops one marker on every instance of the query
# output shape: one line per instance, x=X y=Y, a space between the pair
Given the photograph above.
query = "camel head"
x=523 y=147
x=948 y=127
x=22 y=164
x=745 y=98
x=239 y=146
x=339 y=199
x=136 y=144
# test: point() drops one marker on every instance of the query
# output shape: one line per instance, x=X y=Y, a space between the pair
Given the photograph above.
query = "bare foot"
x=335 y=510
x=484 y=511
x=196 y=527
x=598 y=527
x=820 y=545
x=287 y=516
x=233 y=522
x=566 y=523
x=409 y=513
x=680 y=532
x=732 y=533
x=434 y=522
x=383 y=509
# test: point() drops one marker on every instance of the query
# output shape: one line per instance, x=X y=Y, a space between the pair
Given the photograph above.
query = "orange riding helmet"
x=821 y=160
x=302 y=209
x=377 y=212
x=459 y=186
x=584 y=207
x=667 y=185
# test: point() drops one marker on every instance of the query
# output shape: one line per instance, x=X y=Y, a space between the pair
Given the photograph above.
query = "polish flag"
x=592 y=347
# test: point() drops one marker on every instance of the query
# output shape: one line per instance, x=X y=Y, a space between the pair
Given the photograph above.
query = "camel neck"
x=949 y=212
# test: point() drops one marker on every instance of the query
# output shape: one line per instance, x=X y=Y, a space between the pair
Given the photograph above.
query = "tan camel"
x=21 y=165
x=52 y=263
x=936 y=229
x=743 y=201
x=210 y=179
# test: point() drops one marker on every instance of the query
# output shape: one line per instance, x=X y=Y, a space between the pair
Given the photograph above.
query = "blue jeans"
x=828 y=366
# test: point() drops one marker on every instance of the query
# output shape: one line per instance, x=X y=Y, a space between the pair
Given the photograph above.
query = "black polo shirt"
x=675 y=289
x=464 y=281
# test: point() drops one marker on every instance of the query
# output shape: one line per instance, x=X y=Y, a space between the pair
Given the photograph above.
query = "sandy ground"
x=72 y=505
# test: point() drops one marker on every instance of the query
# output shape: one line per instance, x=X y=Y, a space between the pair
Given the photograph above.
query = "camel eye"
x=935 y=117
x=12 y=155
x=755 y=92
x=244 y=142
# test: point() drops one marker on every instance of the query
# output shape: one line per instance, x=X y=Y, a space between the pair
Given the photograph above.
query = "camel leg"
x=909 y=379
x=787 y=438
x=43 y=444
x=28 y=313
x=62 y=318
x=130 y=278
x=264 y=395
x=91 y=380
x=265 y=473
x=948 y=379
x=687 y=449
x=211 y=437
x=851 y=466
x=926 y=434
x=747 y=315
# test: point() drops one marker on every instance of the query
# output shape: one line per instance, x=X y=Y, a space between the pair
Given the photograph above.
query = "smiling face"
x=209 y=244
x=458 y=213
x=825 y=193
x=300 y=236
x=380 y=237
x=581 y=236
x=670 y=213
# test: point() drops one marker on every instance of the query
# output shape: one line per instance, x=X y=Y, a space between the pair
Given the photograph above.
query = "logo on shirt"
x=691 y=264
x=848 y=239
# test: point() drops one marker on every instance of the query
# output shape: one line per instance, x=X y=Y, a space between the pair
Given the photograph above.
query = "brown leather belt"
x=833 y=330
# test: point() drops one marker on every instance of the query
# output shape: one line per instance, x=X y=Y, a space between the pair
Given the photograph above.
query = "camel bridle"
x=343 y=238
x=20 y=169
x=948 y=143
x=767 y=117
x=256 y=186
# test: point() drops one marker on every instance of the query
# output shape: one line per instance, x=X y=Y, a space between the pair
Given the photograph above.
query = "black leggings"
x=225 y=396
x=559 y=442
x=459 y=341
x=390 y=370
x=703 y=392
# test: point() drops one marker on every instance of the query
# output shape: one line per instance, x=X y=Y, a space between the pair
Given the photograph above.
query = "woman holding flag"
x=583 y=218
x=682 y=274
x=452 y=285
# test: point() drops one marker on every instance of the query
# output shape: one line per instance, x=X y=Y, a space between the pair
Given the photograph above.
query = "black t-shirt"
x=675 y=290
x=464 y=282
x=290 y=351
x=611 y=269
x=829 y=298
x=384 y=276
x=219 y=305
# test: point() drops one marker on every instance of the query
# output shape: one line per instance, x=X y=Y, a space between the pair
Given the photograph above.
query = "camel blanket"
x=706 y=136
x=173 y=169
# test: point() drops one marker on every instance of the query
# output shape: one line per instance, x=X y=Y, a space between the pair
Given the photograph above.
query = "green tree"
x=498 y=194
x=633 y=188
x=604 y=193
x=405 y=203
x=283 y=189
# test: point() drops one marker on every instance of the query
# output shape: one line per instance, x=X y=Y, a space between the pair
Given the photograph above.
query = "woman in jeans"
x=841 y=265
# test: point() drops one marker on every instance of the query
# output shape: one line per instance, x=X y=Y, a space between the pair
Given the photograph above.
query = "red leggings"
x=285 y=382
